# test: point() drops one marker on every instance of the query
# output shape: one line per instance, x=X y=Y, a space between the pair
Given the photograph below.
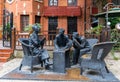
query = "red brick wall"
x=1 y=11
x=19 y=6
x=62 y=21
x=1 y=17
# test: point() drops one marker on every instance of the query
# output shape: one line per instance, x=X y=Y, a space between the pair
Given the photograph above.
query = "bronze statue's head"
x=75 y=34
x=35 y=28
x=61 y=31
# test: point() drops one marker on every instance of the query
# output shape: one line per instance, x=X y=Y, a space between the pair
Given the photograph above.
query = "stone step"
x=4 y=59
x=5 y=54
x=6 y=50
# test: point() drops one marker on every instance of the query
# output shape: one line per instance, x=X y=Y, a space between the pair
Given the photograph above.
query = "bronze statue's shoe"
x=73 y=64
x=47 y=62
x=48 y=67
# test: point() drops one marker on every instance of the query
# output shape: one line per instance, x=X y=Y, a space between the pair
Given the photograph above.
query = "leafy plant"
x=114 y=21
x=7 y=27
x=115 y=36
x=28 y=28
x=96 y=30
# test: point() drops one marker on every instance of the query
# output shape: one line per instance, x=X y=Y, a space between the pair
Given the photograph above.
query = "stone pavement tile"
x=9 y=66
x=114 y=67
x=1 y=64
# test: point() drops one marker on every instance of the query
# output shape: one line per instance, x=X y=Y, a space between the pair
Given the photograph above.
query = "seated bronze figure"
x=81 y=46
x=62 y=42
x=38 y=46
x=61 y=58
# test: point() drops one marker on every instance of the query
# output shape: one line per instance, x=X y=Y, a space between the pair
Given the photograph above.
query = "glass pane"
x=53 y=2
x=72 y=2
x=50 y=2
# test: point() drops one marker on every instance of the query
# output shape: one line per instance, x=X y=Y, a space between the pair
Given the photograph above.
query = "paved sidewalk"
x=8 y=67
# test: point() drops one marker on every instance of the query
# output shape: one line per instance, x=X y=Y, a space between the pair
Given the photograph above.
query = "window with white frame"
x=72 y=2
x=53 y=2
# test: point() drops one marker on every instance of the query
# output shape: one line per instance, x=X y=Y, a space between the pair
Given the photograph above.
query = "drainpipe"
x=85 y=14
x=3 y=22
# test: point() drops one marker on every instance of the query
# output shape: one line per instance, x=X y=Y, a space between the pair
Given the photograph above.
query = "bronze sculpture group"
x=35 y=54
x=61 y=43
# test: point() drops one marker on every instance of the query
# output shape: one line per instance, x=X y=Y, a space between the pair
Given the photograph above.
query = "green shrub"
x=96 y=30
x=28 y=28
x=115 y=36
x=114 y=21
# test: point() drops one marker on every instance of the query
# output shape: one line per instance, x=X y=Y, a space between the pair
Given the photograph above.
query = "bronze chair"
x=29 y=59
x=96 y=62
x=88 y=51
x=92 y=42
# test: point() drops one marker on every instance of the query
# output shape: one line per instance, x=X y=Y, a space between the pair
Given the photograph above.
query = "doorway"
x=52 y=26
x=72 y=24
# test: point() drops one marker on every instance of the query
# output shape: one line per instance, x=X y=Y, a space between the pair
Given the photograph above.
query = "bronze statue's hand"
x=60 y=49
x=64 y=49
x=44 y=38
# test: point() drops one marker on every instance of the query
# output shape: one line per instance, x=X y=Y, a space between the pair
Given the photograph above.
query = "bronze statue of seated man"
x=81 y=46
x=62 y=42
x=38 y=46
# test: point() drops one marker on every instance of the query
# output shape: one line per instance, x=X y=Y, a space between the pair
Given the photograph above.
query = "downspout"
x=85 y=14
x=3 y=22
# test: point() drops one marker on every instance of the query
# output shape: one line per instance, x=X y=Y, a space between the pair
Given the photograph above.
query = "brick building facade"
x=1 y=16
x=1 y=11
x=52 y=14
x=68 y=14
x=25 y=12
